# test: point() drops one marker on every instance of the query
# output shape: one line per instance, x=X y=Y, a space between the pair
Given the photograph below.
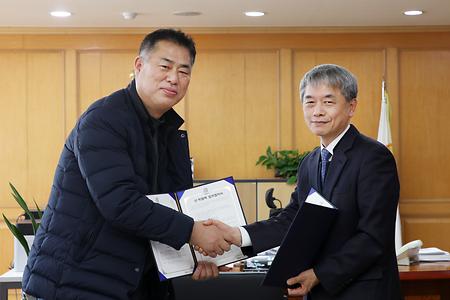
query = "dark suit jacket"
x=358 y=260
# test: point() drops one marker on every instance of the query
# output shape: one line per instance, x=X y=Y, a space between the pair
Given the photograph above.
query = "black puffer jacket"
x=93 y=239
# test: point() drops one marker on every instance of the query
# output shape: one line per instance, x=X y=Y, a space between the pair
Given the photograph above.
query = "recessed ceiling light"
x=254 y=13
x=187 y=13
x=60 y=14
x=128 y=15
x=413 y=12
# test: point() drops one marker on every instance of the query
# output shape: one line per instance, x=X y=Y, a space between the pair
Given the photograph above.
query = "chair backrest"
x=228 y=286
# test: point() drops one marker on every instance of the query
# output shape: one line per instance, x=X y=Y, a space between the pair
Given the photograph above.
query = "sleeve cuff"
x=246 y=241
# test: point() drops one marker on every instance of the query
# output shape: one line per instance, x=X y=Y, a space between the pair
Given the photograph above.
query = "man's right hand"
x=209 y=238
x=231 y=234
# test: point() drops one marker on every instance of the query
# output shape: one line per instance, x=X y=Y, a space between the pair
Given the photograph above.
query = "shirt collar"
x=171 y=118
x=333 y=144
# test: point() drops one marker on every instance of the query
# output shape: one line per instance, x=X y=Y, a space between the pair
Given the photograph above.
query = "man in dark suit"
x=359 y=176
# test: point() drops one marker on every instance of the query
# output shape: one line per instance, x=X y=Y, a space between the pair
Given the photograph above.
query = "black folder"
x=302 y=243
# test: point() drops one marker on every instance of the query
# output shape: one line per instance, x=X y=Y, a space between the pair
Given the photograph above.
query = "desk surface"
x=11 y=276
x=9 y=280
x=425 y=271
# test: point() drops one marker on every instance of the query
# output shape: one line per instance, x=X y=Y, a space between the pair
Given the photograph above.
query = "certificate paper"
x=171 y=262
x=216 y=200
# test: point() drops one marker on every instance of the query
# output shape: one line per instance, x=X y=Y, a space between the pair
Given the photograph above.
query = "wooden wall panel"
x=427 y=220
x=7 y=248
x=424 y=148
x=287 y=101
x=101 y=73
x=13 y=124
x=116 y=68
x=262 y=110
x=247 y=195
x=231 y=124
x=45 y=120
x=366 y=65
x=429 y=229
x=70 y=90
x=218 y=107
x=89 y=88
x=425 y=123
x=32 y=122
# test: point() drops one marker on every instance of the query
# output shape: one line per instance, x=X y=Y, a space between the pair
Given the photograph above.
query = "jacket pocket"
x=372 y=274
x=87 y=241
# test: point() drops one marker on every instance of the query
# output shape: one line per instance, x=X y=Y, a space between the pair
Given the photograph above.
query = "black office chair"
x=228 y=286
x=270 y=201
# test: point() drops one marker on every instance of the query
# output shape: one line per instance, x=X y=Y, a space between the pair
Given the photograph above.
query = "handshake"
x=212 y=237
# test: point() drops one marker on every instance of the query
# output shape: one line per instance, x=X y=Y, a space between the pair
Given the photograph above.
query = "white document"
x=432 y=251
x=433 y=254
x=317 y=199
x=436 y=257
x=171 y=262
x=217 y=200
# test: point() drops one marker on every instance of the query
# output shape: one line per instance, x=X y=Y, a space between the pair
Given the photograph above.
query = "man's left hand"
x=207 y=270
x=307 y=281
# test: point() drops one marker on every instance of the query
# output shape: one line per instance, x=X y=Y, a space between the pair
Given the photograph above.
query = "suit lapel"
x=313 y=169
x=338 y=161
x=334 y=171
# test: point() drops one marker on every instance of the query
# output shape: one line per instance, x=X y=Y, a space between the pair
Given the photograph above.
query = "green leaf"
x=19 y=236
x=292 y=180
x=269 y=164
x=284 y=152
x=261 y=159
x=292 y=168
x=24 y=206
x=285 y=162
x=38 y=209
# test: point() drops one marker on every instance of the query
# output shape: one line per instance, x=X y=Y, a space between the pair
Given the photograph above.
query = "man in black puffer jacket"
x=93 y=242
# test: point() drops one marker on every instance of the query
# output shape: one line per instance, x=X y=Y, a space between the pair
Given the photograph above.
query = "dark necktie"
x=325 y=157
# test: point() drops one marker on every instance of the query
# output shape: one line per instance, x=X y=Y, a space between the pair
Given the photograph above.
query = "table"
x=426 y=279
x=9 y=280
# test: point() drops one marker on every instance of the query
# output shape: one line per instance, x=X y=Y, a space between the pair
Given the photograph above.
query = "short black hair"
x=168 y=34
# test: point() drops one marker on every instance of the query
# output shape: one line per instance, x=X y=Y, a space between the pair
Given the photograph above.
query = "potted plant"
x=28 y=214
x=24 y=240
x=284 y=162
